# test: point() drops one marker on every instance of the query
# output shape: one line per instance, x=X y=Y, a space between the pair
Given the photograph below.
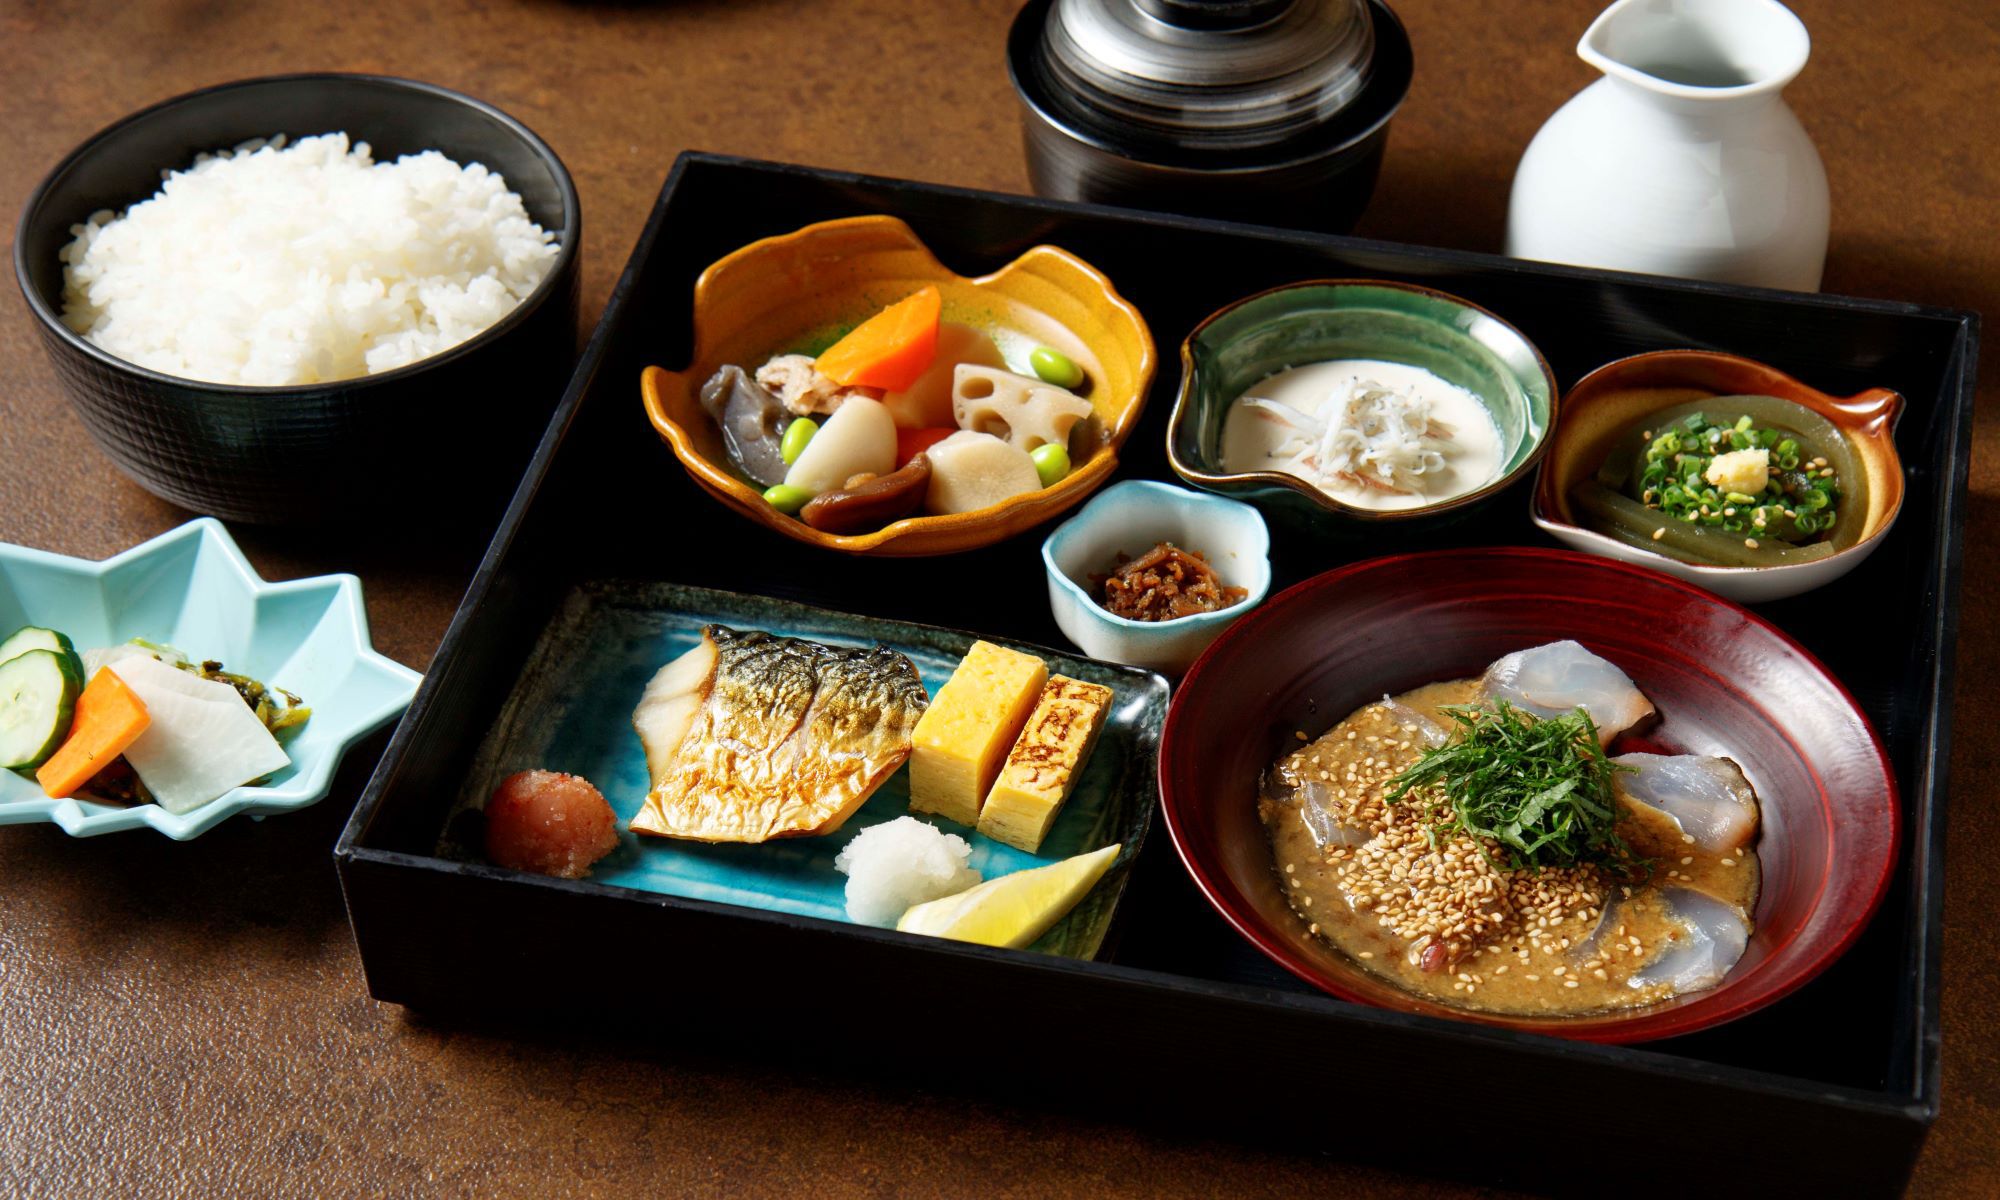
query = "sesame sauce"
x=1445 y=922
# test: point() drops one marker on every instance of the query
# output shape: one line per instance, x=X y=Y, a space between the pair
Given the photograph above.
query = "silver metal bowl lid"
x=1207 y=74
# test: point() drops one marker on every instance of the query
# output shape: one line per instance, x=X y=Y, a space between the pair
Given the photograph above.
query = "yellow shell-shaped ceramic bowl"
x=797 y=292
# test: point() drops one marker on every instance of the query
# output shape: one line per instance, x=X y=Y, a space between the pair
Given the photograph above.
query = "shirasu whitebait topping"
x=1371 y=436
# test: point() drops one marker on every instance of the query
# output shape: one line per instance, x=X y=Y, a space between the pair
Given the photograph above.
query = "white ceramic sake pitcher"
x=1683 y=159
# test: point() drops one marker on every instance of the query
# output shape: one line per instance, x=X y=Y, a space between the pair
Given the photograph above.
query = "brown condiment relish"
x=1163 y=583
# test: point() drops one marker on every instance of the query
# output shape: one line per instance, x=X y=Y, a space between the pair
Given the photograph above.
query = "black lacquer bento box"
x=1179 y=1021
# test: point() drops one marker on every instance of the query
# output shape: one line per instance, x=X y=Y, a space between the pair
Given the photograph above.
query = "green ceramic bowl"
x=1354 y=318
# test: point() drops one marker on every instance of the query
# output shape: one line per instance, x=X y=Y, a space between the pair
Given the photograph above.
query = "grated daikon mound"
x=900 y=863
x=276 y=264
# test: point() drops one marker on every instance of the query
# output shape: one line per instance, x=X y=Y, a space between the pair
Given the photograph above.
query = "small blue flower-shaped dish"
x=1131 y=518
x=193 y=589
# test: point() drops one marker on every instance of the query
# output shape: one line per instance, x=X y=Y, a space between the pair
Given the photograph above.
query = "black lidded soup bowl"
x=1270 y=111
x=444 y=431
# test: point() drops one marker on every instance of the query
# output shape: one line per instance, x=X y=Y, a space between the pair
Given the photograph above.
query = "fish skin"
x=791 y=739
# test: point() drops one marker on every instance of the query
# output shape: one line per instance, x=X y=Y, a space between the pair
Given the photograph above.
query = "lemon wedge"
x=1012 y=910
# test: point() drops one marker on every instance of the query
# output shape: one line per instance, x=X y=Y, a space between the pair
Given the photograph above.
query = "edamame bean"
x=1051 y=462
x=1053 y=366
x=797 y=434
x=786 y=498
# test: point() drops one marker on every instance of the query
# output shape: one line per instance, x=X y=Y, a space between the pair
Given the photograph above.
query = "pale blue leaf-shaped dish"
x=193 y=589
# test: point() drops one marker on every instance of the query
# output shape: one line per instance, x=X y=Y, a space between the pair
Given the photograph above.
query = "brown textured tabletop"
x=191 y=1018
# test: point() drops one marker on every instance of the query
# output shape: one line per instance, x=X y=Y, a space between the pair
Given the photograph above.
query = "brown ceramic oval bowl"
x=1612 y=399
x=798 y=289
x=1726 y=682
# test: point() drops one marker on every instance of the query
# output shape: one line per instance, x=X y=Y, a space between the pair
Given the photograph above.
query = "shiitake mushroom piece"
x=872 y=503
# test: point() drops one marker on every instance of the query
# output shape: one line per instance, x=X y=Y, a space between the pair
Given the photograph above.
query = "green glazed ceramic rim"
x=1454 y=338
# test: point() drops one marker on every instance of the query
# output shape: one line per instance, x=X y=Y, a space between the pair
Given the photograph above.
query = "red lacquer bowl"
x=1724 y=680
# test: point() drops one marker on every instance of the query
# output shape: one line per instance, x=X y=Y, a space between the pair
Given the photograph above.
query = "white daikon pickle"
x=99 y=657
x=203 y=739
x=974 y=470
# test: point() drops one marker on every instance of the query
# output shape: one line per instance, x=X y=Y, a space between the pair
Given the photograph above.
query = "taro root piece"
x=752 y=422
x=865 y=505
x=860 y=436
x=971 y=471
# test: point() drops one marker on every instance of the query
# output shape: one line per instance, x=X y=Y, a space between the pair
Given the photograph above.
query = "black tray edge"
x=1928 y=860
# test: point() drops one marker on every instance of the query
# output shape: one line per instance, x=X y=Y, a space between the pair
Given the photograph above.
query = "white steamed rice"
x=278 y=264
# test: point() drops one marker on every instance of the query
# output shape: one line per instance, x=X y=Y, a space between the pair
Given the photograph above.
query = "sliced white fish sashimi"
x=1707 y=797
x=203 y=739
x=1412 y=722
x=1321 y=812
x=1713 y=935
x=1607 y=920
x=1560 y=677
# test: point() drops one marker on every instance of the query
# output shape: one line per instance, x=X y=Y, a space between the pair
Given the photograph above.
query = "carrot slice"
x=890 y=349
x=912 y=442
x=109 y=717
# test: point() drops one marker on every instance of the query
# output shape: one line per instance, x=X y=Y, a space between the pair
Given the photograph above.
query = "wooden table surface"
x=192 y=1018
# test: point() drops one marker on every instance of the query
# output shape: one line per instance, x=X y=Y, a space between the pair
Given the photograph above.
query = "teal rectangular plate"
x=571 y=711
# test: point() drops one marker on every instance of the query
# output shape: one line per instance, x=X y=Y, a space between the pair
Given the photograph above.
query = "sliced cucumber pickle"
x=38 y=691
x=34 y=637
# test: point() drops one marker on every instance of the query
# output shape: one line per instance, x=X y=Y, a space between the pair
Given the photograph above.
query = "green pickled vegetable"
x=1763 y=478
x=1051 y=463
x=797 y=436
x=786 y=498
x=1053 y=366
x=1618 y=516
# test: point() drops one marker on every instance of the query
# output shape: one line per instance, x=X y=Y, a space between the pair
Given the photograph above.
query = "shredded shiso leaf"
x=1533 y=793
